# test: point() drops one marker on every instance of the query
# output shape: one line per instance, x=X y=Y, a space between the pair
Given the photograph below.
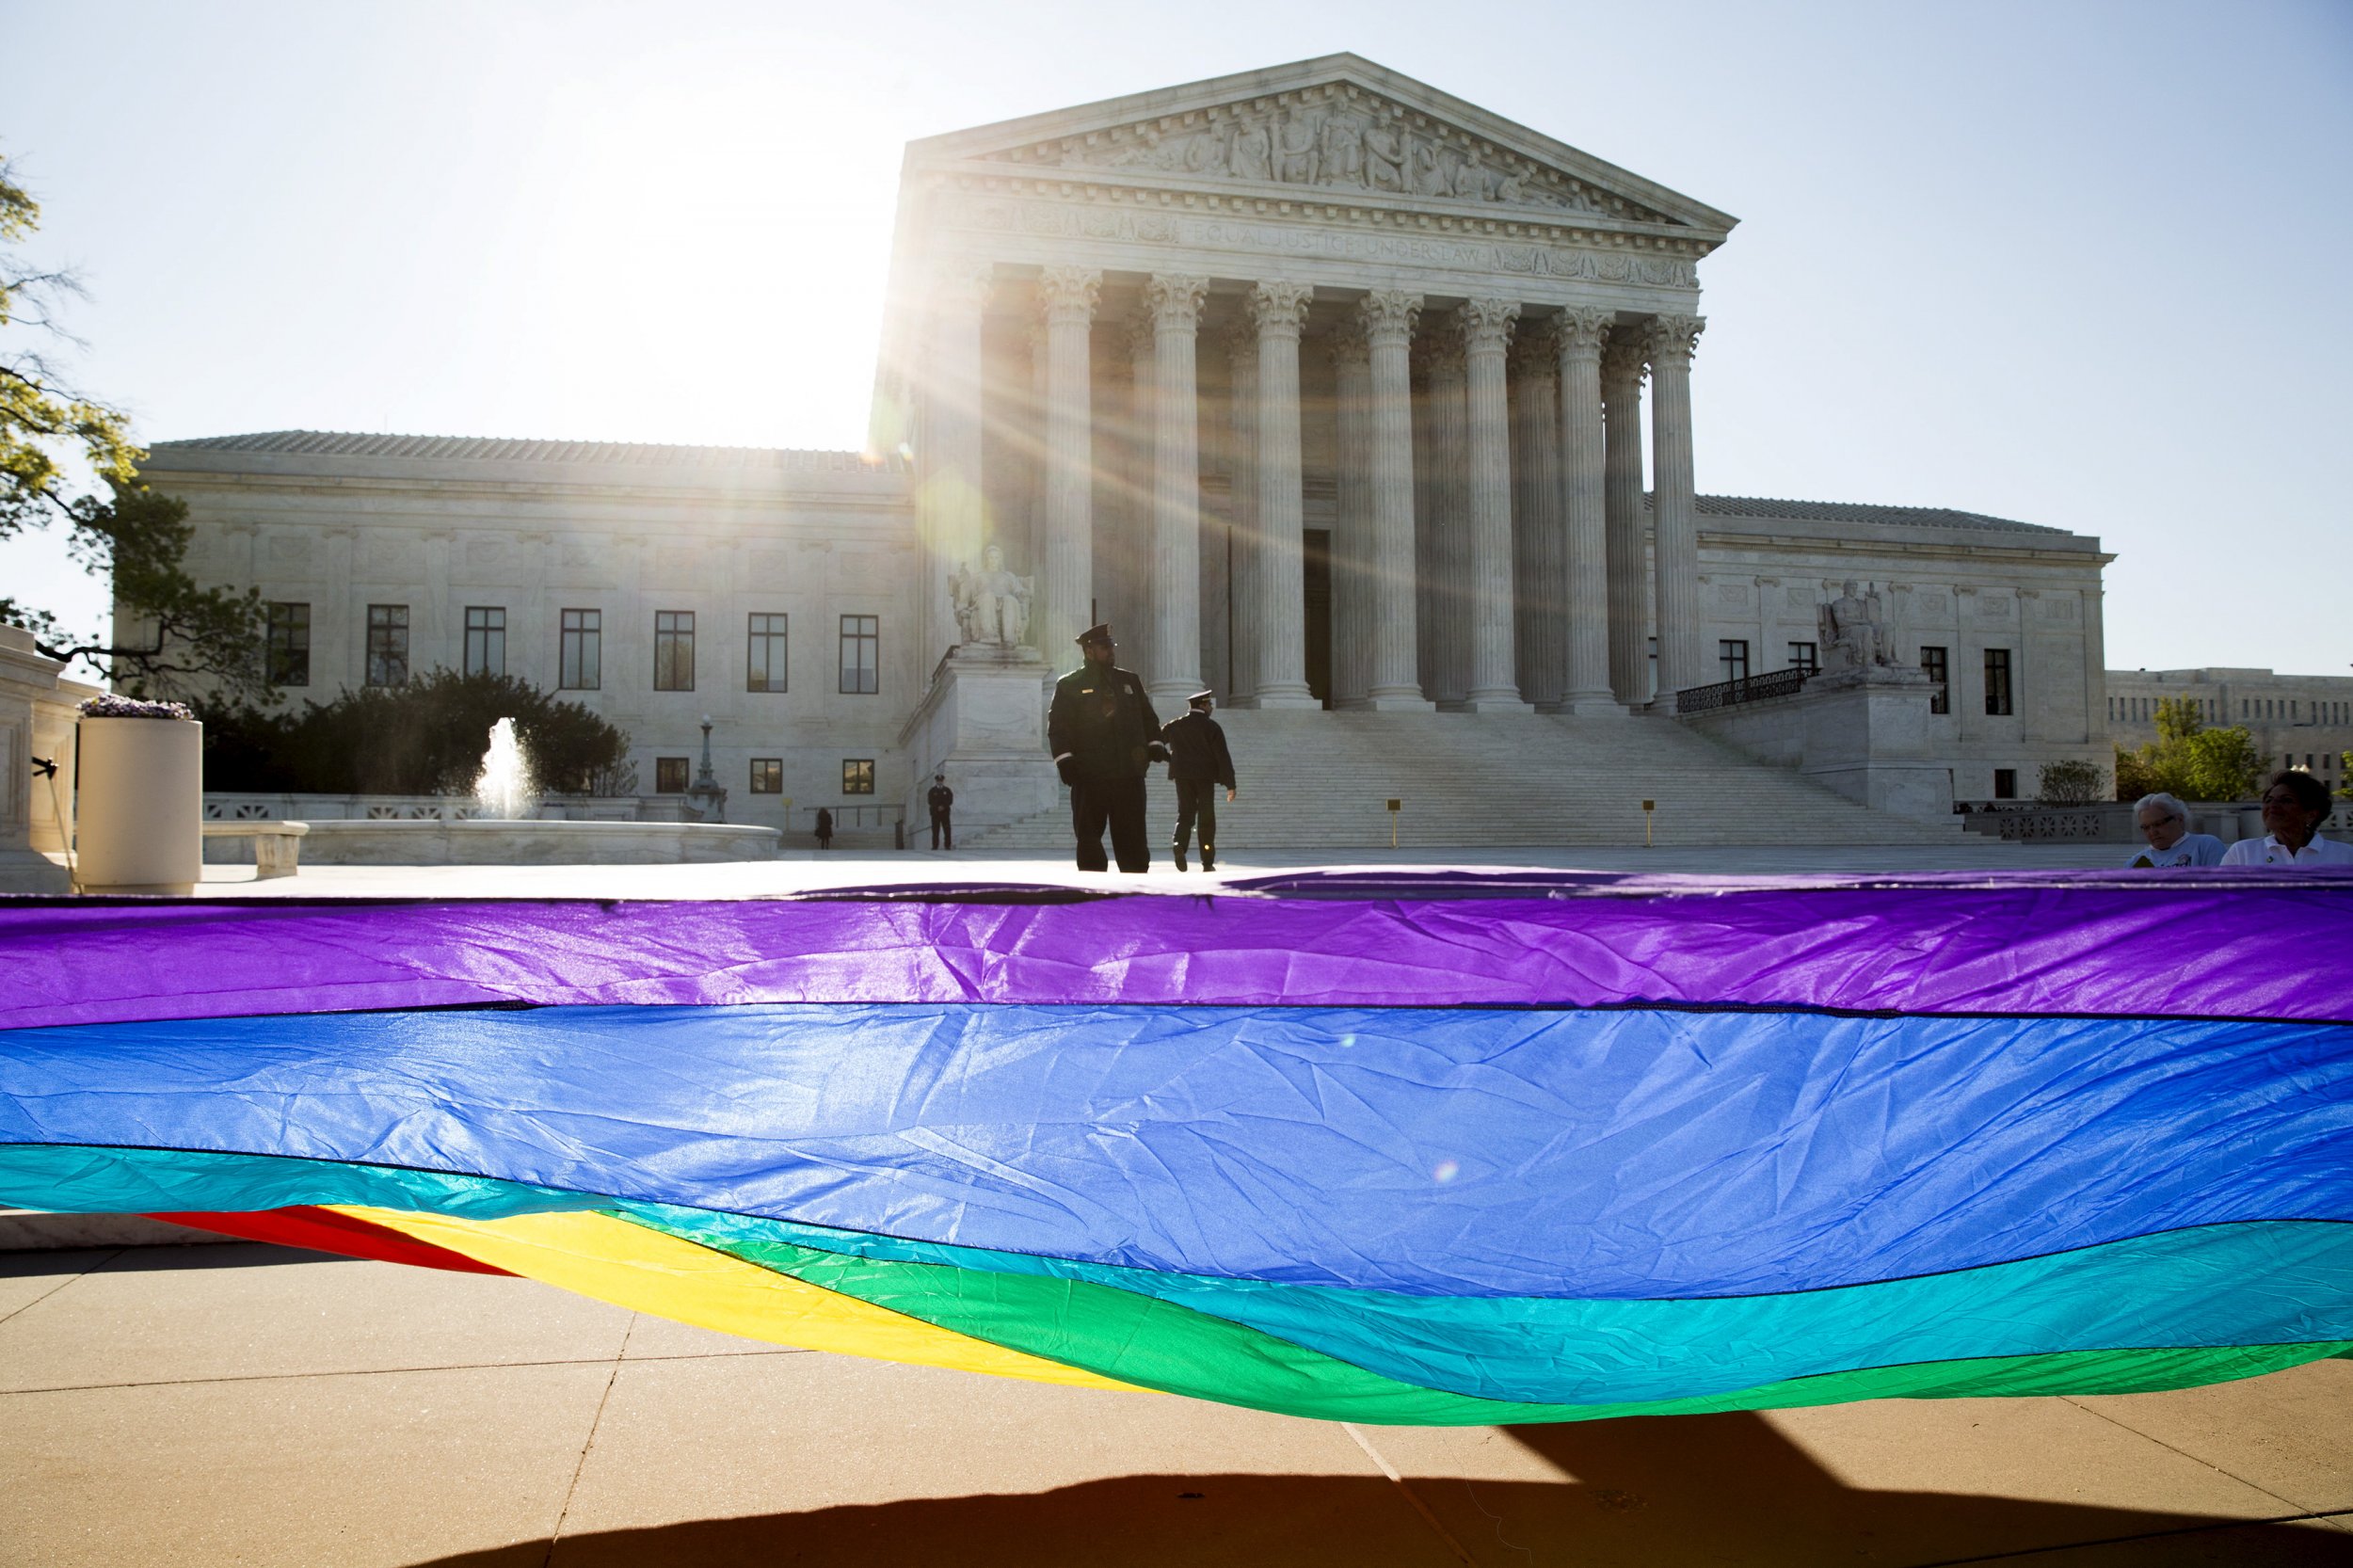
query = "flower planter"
x=140 y=817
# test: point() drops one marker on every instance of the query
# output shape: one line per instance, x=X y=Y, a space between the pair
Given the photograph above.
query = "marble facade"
x=1325 y=388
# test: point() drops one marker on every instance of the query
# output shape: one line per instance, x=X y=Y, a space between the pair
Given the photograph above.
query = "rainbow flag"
x=1421 y=1150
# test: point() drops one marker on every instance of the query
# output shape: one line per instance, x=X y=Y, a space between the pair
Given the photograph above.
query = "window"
x=388 y=645
x=767 y=776
x=1653 y=667
x=861 y=659
x=857 y=775
x=486 y=639
x=764 y=660
x=2005 y=783
x=1940 y=689
x=289 y=645
x=1806 y=657
x=580 y=666
x=1996 y=680
x=669 y=776
x=674 y=650
x=1732 y=654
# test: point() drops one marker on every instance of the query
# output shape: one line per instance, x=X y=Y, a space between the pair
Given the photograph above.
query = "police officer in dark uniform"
x=1104 y=734
x=1199 y=764
x=940 y=800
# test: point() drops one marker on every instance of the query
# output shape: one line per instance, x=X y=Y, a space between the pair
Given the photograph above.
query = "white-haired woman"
x=2164 y=824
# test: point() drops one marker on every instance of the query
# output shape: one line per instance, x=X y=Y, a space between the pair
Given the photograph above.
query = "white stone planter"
x=139 y=825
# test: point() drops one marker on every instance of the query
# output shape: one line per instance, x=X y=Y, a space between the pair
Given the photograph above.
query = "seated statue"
x=992 y=605
x=1853 y=631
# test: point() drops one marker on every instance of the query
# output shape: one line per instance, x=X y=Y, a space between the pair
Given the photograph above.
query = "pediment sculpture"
x=1338 y=140
x=991 y=606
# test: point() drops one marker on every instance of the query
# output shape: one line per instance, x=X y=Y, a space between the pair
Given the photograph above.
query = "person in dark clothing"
x=940 y=800
x=1199 y=764
x=824 y=828
x=1104 y=735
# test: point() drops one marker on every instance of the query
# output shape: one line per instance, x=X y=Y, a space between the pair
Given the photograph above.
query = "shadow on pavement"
x=1651 y=1492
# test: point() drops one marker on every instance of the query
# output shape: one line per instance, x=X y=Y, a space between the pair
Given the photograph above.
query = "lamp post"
x=709 y=796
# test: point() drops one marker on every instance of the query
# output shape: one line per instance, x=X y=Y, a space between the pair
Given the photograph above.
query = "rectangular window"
x=1997 y=680
x=1806 y=657
x=1653 y=667
x=669 y=776
x=289 y=645
x=486 y=639
x=388 y=645
x=580 y=666
x=767 y=776
x=2005 y=783
x=861 y=658
x=857 y=775
x=674 y=650
x=764 y=660
x=1940 y=678
x=1732 y=653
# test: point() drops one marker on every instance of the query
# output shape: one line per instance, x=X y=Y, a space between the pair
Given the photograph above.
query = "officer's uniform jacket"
x=1196 y=749
x=940 y=798
x=1102 y=721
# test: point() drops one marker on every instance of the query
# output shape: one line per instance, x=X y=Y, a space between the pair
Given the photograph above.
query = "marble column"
x=1486 y=327
x=1387 y=315
x=1353 y=579
x=1674 y=520
x=1131 y=622
x=1174 y=672
x=949 y=509
x=1538 y=573
x=1279 y=311
x=1068 y=297
x=1241 y=350
x=1577 y=338
x=1623 y=529
x=1446 y=524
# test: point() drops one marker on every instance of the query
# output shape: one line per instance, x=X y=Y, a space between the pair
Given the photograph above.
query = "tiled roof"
x=336 y=443
x=1852 y=511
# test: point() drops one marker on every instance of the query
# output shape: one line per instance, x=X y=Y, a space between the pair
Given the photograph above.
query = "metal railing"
x=1748 y=688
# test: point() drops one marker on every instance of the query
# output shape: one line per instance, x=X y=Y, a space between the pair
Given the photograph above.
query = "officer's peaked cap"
x=1101 y=633
x=1201 y=696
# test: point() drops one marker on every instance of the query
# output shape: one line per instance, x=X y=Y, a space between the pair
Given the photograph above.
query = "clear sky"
x=2074 y=264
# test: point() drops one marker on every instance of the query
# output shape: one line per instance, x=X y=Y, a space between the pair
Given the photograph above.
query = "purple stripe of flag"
x=2036 y=946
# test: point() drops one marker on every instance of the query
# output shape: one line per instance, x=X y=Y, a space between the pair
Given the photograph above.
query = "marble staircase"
x=1318 y=780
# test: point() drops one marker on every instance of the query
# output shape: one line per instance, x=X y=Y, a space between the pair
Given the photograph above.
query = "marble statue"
x=992 y=605
x=1853 y=631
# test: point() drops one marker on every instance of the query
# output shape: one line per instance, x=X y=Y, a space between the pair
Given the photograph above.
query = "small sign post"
x=1648 y=807
x=1395 y=806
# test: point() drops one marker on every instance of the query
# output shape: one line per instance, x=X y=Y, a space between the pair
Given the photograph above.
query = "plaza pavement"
x=239 y=1404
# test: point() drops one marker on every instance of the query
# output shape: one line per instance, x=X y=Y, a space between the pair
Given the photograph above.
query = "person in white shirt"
x=2295 y=806
x=2164 y=822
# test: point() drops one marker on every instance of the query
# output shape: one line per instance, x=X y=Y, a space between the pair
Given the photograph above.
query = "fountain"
x=507 y=829
x=506 y=789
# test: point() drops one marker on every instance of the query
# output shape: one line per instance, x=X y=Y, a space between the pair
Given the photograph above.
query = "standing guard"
x=942 y=801
x=1199 y=763
x=1104 y=736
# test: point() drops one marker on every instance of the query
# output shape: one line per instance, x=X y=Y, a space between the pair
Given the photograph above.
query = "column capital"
x=1388 y=316
x=1442 y=356
x=1579 y=331
x=1673 y=337
x=1173 y=300
x=1349 y=348
x=1533 y=350
x=1069 y=295
x=1280 y=307
x=963 y=283
x=1624 y=361
x=1137 y=334
x=1241 y=343
x=1485 y=325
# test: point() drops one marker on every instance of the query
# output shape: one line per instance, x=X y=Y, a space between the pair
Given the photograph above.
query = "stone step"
x=1322 y=780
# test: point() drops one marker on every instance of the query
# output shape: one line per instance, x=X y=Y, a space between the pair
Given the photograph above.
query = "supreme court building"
x=1326 y=388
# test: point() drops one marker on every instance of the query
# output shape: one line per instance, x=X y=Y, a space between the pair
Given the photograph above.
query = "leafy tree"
x=2189 y=759
x=425 y=737
x=2069 y=783
x=194 y=637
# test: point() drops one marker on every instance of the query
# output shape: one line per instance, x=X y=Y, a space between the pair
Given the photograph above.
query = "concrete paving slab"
x=178 y=1314
x=727 y=1460
x=653 y=1338
x=368 y=1471
x=2304 y=1544
x=2289 y=1434
x=1893 y=1482
x=27 y=1277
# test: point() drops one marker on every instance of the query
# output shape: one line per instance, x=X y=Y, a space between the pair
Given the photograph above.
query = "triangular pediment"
x=1340 y=128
